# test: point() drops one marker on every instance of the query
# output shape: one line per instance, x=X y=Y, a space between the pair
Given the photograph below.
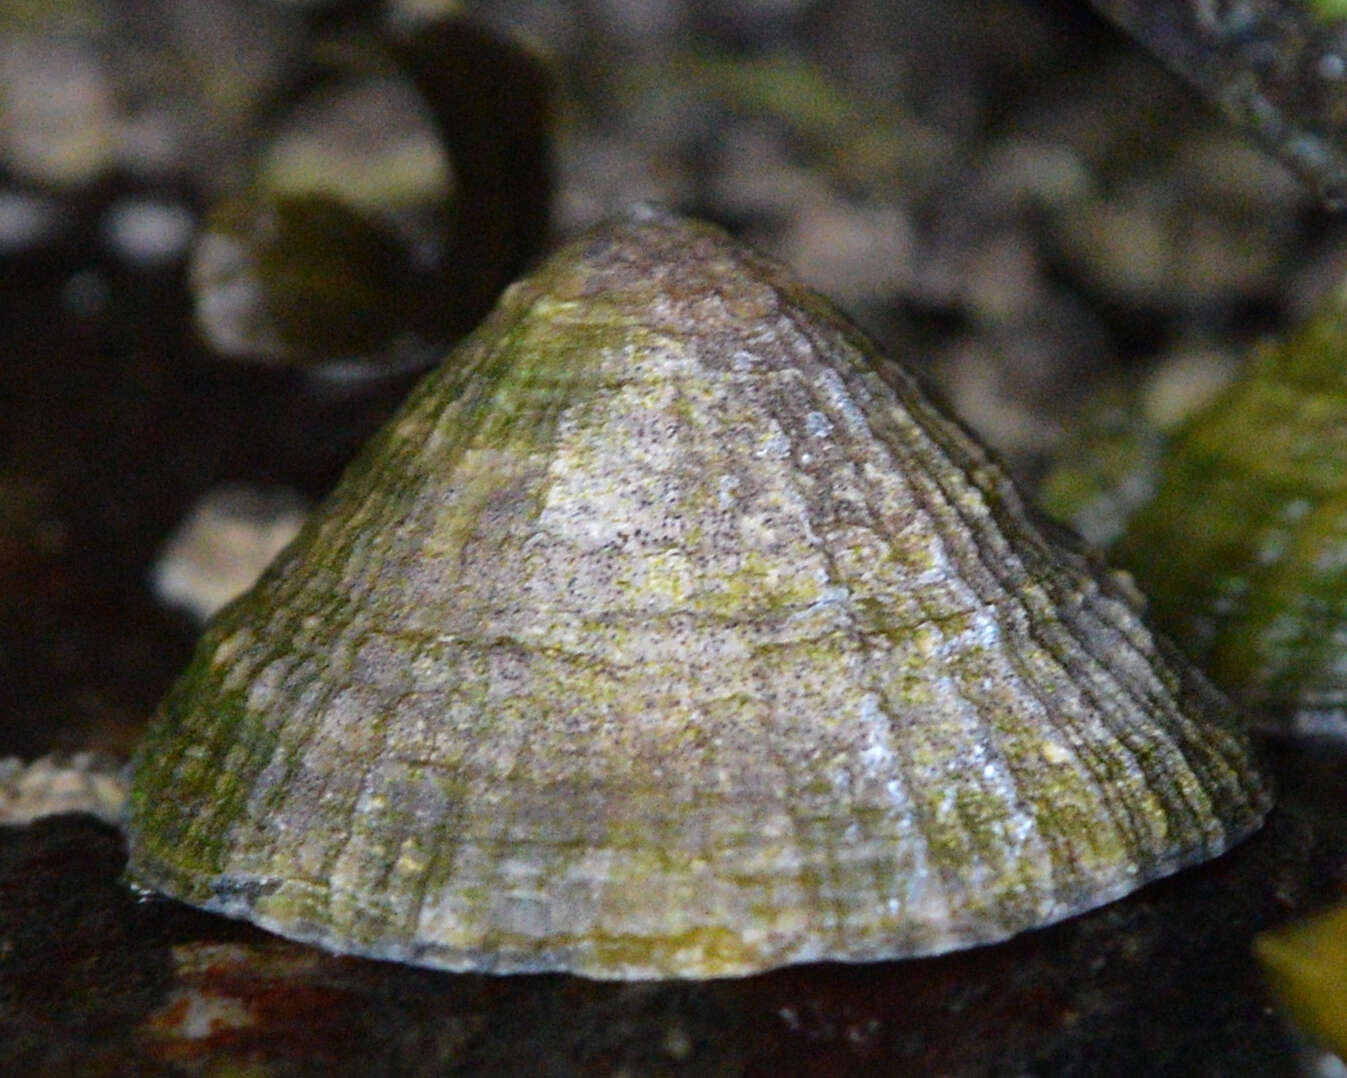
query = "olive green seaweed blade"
x=659 y=635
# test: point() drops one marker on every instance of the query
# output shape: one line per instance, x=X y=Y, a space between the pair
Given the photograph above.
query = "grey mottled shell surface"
x=659 y=635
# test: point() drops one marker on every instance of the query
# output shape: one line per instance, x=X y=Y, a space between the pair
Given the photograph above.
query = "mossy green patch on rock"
x=1241 y=546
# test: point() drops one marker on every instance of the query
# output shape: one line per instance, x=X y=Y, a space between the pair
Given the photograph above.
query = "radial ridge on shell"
x=662 y=634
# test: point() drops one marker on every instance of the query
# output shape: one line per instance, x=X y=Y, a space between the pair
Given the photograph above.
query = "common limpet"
x=659 y=635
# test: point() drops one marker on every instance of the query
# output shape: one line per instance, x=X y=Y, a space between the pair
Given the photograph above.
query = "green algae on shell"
x=659 y=635
x=1240 y=544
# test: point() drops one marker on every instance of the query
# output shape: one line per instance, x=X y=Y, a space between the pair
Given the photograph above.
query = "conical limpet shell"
x=658 y=635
